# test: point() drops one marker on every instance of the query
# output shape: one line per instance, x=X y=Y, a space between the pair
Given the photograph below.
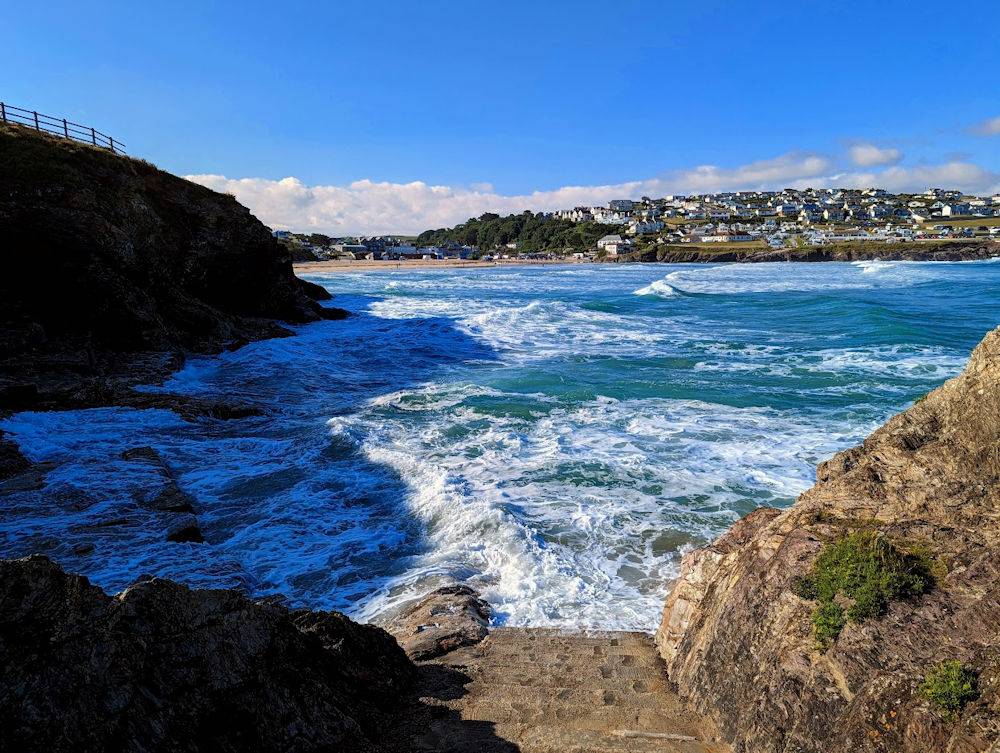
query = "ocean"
x=555 y=436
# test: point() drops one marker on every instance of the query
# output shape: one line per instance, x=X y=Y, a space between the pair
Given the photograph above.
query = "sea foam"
x=555 y=437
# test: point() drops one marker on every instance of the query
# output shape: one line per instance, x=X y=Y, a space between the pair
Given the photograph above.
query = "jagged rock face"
x=739 y=643
x=164 y=667
x=105 y=254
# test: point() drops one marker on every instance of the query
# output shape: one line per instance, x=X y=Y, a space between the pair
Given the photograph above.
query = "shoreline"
x=376 y=265
x=669 y=254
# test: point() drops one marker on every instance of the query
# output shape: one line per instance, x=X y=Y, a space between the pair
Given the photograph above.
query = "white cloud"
x=868 y=155
x=964 y=176
x=990 y=127
x=369 y=207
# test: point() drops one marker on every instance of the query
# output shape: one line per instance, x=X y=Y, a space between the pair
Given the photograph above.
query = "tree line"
x=533 y=233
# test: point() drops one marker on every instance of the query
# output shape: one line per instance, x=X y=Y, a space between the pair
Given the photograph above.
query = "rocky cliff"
x=112 y=269
x=958 y=250
x=743 y=634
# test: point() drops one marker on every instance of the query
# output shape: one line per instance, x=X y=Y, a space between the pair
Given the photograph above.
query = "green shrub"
x=949 y=686
x=865 y=570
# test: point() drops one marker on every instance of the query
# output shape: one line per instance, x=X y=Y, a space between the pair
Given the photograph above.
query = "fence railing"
x=59 y=127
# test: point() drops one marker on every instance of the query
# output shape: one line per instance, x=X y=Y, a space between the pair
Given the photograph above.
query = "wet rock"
x=164 y=667
x=12 y=462
x=739 y=643
x=147 y=454
x=181 y=523
x=333 y=314
x=171 y=499
x=30 y=479
x=314 y=291
x=184 y=528
x=440 y=622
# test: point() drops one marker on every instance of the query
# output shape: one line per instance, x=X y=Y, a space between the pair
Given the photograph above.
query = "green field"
x=964 y=221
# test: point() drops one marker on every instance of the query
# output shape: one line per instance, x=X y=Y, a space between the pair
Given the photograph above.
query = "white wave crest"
x=660 y=288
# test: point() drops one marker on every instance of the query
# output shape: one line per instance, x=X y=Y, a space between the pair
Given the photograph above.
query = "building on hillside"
x=956 y=210
x=609 y=216
x=621 y=205
x=732 y=236
x=641 y=228
x=348 y=251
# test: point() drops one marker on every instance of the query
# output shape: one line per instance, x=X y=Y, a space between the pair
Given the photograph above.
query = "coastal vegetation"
x=531 y=232
x=854 y=579
x=949 y=686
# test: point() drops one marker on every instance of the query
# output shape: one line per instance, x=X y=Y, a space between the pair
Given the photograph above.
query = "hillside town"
x=792 y=218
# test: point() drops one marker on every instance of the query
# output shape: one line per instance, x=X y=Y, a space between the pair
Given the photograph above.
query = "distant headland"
x=790 y=225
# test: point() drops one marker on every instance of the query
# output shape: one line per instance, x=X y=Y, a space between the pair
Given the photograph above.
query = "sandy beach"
x=339 y=265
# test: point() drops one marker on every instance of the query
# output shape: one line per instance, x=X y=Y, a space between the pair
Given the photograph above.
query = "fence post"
x=93 y=136
x=65 y=128
x=111 y=141
x=3 y=112
x=36 y=120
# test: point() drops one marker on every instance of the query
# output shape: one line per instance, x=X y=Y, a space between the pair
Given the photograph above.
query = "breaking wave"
x=551 y=436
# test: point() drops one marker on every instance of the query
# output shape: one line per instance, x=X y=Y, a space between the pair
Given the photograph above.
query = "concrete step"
x=648 y=682
x=586 y=697
x=594 y=673
x=547 y=691
x=565 y=657
x=558 y=740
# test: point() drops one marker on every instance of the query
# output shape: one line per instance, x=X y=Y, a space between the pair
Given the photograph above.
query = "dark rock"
x=139 y=266
x=148 y=454
x=185 y=529
x=314 y=291
x=164 y=667
x=230 y=411
x=440 y=622
x=171 y=499
x=12 y=462
x=947 y=250
x=334 y=314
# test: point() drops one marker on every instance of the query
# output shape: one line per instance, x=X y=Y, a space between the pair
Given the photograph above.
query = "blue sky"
x=393 y=116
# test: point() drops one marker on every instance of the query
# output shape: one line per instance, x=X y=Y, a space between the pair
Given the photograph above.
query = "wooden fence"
x=59 y=127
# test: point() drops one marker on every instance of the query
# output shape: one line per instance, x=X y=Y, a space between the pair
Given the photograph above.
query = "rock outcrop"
x=164 y=667
x=112 y=269
x=445 y=619
x=739 y=643
x=949 y=250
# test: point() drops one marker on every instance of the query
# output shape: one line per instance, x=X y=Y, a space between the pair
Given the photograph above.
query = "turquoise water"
x=556 y=436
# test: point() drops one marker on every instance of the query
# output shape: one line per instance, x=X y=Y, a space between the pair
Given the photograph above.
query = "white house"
x=641 y=228
x=955 y=210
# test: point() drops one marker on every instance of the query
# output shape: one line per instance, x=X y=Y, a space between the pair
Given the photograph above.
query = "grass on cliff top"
x=854 y=579
x=949 y=686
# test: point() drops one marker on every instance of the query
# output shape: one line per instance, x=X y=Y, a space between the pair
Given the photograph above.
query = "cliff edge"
x=112 y=269
x=747 y=642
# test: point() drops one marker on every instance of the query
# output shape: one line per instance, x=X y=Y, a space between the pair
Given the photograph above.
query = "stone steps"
x=561 y=740
x=547 y=691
